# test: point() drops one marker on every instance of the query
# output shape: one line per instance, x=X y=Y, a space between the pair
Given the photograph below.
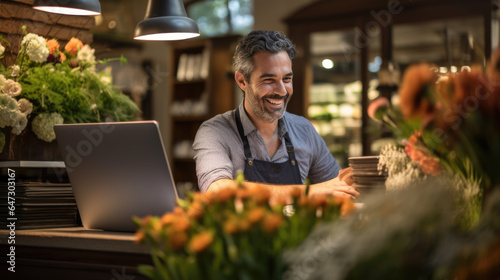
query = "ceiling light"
x=74 y=7
x=327 y=63
x=166 y=20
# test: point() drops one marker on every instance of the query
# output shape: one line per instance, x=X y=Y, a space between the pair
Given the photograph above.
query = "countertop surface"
x=75 y=238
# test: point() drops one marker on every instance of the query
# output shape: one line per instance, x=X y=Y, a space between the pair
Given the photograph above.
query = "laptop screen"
x=117 y=170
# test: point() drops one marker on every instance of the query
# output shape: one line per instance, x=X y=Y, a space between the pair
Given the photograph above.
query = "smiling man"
x=271 y=146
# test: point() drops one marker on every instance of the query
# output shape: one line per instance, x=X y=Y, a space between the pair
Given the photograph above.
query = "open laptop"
x=117 y=170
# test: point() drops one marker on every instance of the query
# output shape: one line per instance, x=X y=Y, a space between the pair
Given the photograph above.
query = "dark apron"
x=285 y=173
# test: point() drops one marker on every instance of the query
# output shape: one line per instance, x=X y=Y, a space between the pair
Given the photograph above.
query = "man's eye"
x=287 y=79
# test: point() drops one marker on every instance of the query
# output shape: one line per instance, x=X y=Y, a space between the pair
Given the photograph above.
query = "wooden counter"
x=72 y=253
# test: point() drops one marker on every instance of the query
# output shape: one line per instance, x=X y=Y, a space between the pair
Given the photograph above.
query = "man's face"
x=270 y=87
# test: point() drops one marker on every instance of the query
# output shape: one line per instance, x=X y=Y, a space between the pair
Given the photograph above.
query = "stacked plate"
x=367 y=178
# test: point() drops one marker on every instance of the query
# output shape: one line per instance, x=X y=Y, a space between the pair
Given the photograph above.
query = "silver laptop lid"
x=117 y=170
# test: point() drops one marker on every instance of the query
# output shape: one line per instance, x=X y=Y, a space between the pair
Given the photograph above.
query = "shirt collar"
x=249 y=126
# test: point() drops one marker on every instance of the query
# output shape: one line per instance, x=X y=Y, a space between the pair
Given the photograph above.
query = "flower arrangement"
x=234 y=233
x=48 y=85
x=448 y=124
x=440 y=217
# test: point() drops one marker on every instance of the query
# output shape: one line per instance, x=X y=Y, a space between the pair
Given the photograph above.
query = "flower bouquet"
x=234 y=233
x=48 y=85
x=440 y=217
x=448 y=124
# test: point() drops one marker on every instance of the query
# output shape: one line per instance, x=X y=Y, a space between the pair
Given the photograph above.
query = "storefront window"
x=222 y=17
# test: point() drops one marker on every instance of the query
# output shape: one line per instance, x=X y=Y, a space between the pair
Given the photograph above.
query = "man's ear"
x=240 y=80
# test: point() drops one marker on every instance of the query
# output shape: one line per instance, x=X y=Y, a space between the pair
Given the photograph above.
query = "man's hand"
x=346 y=176
x=335 y=187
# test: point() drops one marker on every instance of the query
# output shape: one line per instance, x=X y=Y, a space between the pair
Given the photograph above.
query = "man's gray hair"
x=259 y=41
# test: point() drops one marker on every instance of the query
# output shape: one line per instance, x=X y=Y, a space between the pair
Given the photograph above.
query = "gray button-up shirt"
x=219 y=149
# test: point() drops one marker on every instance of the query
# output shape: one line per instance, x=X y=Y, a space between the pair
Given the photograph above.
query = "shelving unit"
x=202 y=86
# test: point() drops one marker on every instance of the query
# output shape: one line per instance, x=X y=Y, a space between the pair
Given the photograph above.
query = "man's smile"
x=276 y=101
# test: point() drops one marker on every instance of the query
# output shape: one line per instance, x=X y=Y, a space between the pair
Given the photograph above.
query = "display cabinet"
x=202 y=86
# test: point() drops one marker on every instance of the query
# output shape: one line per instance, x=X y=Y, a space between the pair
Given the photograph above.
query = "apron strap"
x=246 y=146
x=290 y=149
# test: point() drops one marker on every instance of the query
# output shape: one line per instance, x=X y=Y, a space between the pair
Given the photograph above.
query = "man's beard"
x=262 y=111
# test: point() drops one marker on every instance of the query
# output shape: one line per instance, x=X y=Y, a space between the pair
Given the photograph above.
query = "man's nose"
x=280 y=88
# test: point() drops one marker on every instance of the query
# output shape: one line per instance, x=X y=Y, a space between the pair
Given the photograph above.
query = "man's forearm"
x=332 y=187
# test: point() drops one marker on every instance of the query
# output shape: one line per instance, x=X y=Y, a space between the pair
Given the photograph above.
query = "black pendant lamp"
x=69 y=7
x=166 y=20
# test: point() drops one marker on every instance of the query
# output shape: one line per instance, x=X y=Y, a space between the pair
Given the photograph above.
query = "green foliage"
x=78 y=95
x=62 y=84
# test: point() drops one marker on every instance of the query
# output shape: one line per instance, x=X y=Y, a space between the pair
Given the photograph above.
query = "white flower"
x=43 y=125
x=7 y=103
x=15 y=70
x=11 y=88
x=2 y=49
x=36 y=47
x=20 y=122
x=10 y=115
x=25 y=106
x=105 y=79
x=2 y=79
x=86 y=53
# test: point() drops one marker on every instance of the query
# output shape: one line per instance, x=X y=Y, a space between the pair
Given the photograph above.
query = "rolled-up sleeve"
x=212 y=154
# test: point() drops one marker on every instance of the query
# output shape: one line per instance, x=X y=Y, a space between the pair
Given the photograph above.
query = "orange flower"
x=231 y=226
x=243 y=193
x=52 y=45
x=62 y=57
x=146 y=220
x=256 y=214
x=195 y=210
x=260 y=194
x=139 y=237
x=244 y=225
x=271 y=223
x=413 y=102
x=73 y=46
x=178 y=210
x=201 y=242
x=430 y=165
x=167 y=219
x=181 y=223
x=224 y=195
x=177 y=240
x=418 y=153
x=201 y=198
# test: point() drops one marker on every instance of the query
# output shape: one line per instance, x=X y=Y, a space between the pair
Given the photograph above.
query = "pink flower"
x=377 y=107
x=418 y=153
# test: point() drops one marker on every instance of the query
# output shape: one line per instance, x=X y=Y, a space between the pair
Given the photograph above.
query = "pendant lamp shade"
x=69 y=7
x=166 y=20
